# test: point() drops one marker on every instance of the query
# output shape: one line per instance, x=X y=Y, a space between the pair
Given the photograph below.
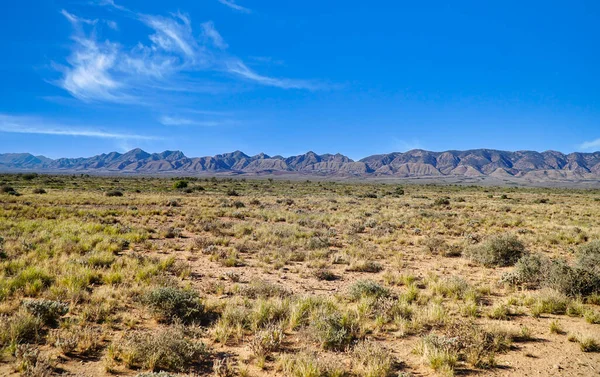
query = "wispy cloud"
x=238 y=68
x=90 y=74
x=232 y=4
x=182 y=121
x=172 y=34
x=76 y=20
x=590 y=144
x=110 y=3
x=32 y=125
x=212 y=35
x=112 y=24
x=170 y=59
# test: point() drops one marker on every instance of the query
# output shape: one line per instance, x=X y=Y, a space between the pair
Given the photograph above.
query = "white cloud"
x=211 y=34
x=231 y=4
x=32 y=125
x=173 y=34
x=110 y=3
x=90 y=75
x=590 y=144
x=112 y=24
x=104 y=70
x=238 y=68
x=76 y=20
x=181 y=121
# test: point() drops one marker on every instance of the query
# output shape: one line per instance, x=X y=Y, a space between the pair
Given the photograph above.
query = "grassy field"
x=165 y=277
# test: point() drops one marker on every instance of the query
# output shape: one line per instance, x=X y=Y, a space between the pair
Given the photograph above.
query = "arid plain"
x=140 y=276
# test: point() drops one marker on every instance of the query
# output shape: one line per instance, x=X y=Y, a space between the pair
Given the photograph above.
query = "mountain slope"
x=415 y=163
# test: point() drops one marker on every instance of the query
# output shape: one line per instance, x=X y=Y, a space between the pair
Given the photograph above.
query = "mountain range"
x=415 y=163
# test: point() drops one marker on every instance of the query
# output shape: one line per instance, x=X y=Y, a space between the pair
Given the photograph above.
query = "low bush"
x=173 y=304
x=30 y=362
x=589 y=345
x=435 y=245
x=365 y=266
x=324 y=274
x=537 y=271
x=266 y=341
x=114 y=193
x=372 y=360
x=441 y=202
x=21 y=327
x=548 y=301
x=48 y=311
x=367 y=288
x=6 y=189
x=332 y=329
x=502 y=250
x=39 y=191
x=77 y=340
x=261 y=288
x=171 y=349
x=463 y=341
x=438 y=352
x=232 y=192
x=588 y=257
x=307 y=364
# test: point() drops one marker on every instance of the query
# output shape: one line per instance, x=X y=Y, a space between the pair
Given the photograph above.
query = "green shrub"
x=21 y=327
x=366 y=266
x=572 y=281
x=441 y=202
x=325 y=274
x=180 y=185
x=32 y=363
x=48 y=311
x=332 y=329
x=438 y=352
x=6 y=189
x=306 y=364
x=170 y=349
x=29 y=176
x=588 y=257
x=463 y=341
x=537 y=271
x=589 y=345
x=266 y=341
x=549 y=301
x=501 y=250
x=372 y=360
x=171 y=304
x=367 y=288
x=264 y=289
x=527 y=271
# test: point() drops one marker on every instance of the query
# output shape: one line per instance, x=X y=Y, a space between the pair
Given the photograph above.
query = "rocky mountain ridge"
x=414 y=163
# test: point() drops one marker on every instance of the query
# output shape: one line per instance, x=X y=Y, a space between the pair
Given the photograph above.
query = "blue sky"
x=83 y=77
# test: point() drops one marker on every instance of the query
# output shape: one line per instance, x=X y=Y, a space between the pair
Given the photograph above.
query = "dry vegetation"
x=165 y=277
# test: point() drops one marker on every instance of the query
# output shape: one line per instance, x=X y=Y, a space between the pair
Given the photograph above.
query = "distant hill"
x=530 y=165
